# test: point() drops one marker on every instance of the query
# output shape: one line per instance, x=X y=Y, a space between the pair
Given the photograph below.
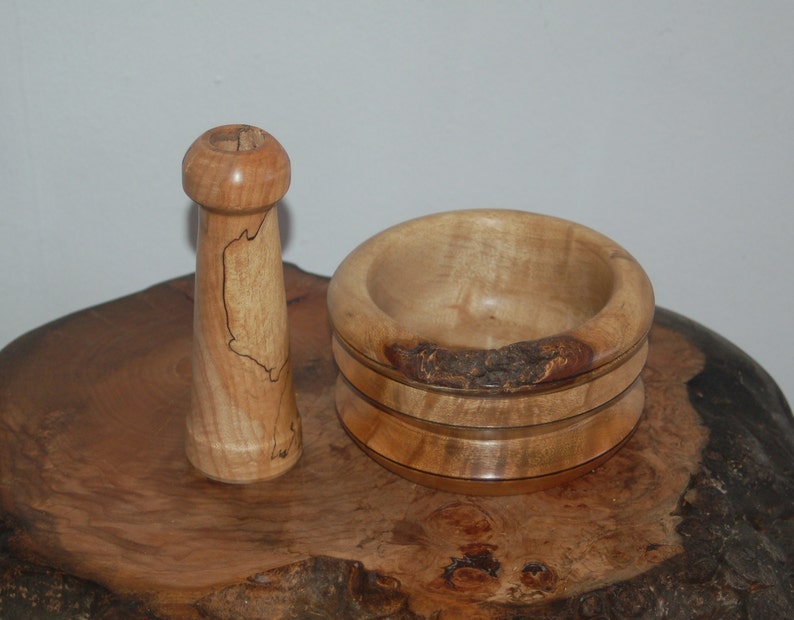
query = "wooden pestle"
x=243 y=425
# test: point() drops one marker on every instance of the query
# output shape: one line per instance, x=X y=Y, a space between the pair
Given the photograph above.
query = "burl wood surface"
x=104 y=517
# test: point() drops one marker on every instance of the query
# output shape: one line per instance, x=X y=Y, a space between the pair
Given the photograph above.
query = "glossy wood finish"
x=103 y=517
x=507 y=410
x=243 y=424
x=490 y=351
x=489 y=461
x=490 y=301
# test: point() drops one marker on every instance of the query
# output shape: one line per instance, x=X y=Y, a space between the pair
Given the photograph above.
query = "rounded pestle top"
x=236 y=169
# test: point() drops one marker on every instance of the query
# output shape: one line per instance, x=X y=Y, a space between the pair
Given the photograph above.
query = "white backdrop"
x=668 y=126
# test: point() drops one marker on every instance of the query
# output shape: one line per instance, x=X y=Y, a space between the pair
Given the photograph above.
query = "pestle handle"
x=243 y=425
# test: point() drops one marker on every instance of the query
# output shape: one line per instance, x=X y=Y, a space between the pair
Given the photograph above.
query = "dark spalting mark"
x=268 y=370
x=476 y=556
x=237 y=345
x=538 y=576
x=282 y=451
x=254 y=345
x=512 y=366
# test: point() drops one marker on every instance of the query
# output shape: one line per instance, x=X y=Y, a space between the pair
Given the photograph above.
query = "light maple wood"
x=506 y=410
x=243 y=424
x=482 y=280
x=490 y=351
x=489 y=461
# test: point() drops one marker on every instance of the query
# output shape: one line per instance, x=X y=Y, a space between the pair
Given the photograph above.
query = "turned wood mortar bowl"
x=490 y=351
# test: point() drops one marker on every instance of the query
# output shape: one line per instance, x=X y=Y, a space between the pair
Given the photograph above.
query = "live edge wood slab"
x=103 y=516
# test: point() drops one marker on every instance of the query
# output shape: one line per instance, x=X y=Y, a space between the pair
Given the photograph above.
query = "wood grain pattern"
x=498 y=410
x=489 y=311
x=490 y=300
x=103 y=515
x=493 y=461
x=243 y=424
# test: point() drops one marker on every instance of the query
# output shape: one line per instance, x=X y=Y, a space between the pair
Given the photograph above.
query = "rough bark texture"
x=513 y=366
x=104 y=518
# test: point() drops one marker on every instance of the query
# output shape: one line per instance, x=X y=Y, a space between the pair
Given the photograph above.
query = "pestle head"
x=236 y=169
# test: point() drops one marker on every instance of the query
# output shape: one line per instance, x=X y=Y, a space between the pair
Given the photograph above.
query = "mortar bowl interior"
x=489 y=288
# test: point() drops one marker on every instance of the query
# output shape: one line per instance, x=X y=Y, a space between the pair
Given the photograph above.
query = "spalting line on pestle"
x=246 y=345
x=282 y=452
